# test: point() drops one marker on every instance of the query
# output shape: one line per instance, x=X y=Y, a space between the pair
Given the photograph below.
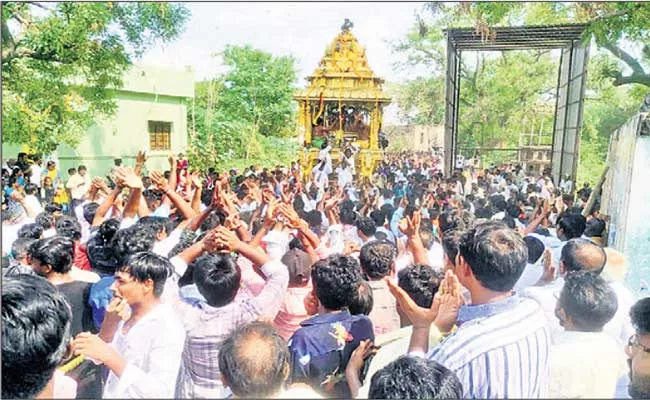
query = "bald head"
x=254 y=361
x=583 y=255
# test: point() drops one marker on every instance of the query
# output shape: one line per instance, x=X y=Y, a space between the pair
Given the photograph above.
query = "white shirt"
x=530 y=276
x=37 y=173
x=585 y=365
x=78 y=186
x=547 y=296
x=436 y=256
x=34 y=205
x=163 y=247
x=152 y=349
x=10 y=233
x=620 y=327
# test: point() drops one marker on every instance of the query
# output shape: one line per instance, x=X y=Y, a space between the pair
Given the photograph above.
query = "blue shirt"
x=99 y=298
x=500 y=349
x=321 y=348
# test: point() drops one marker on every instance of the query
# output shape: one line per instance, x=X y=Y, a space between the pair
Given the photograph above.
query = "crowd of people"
x=291 y=283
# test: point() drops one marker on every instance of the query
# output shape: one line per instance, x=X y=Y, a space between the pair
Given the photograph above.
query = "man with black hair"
x=363 y=300
x=415 y=378
x=534 y=268
x=31 y=231
x=320 y=350
x=141 y=348
x=122 y=245
x=492 y=259
x=20 y=262
x=217 y=277
x=78 y=184
x=421 y=283
x=46 y=221
x=366 y=229
x=52 y=259
x=71 y=228
x=35 y=336
x=584 y=306
x=254 y=363
x=377 y=260
x=31 y=198
x=638 y=351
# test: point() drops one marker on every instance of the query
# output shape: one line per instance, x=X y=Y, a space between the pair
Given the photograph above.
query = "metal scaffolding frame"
x=572 y=75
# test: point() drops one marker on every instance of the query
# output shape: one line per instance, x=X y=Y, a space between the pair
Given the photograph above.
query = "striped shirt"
x=500 y=349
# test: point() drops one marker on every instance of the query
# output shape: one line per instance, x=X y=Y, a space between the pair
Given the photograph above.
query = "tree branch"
x=624 y=56
x=642 y=79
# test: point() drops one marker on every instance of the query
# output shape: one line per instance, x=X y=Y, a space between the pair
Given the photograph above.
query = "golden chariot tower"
x=342 y=105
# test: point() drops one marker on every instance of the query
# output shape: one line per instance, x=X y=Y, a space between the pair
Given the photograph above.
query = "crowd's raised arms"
x=291 y=283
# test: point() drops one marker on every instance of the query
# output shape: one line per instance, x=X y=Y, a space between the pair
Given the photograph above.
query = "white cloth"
x=163 y=247
x=85 y=226
x=10 y=233
x=436 y=256
x=37 y=175
x=620 y=327
x=34 y=205
x=530 y=276
x=585 y=365
x=547 y=297
x=152 y=349
x=78 y=186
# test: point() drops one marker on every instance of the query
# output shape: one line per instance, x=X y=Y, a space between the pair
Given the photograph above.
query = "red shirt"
x=81 y=260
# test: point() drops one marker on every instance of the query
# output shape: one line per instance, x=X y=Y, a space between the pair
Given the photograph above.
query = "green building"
x=151 y=114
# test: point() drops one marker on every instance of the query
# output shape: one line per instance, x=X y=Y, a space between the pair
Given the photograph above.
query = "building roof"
x=159 y=81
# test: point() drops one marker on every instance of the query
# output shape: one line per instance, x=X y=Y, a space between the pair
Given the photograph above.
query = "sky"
x=299 y=29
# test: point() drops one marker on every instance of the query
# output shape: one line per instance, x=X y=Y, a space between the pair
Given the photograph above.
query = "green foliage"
x=61 y=62
x=246 y=115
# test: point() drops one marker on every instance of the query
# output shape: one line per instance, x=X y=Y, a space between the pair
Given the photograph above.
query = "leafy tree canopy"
x=245 y=113
x=60 y=62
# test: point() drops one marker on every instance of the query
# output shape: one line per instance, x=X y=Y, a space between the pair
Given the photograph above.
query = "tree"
x=259 y=88
x=238 y=114
x=62 y=61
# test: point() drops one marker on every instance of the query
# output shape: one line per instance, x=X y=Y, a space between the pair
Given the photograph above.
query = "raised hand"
x=420 y=317
x=226 y=240
x=159 y=180
x=450 y=300
x=195 y=178
x=128 y=178
x=141 y=158
x=233 y=222
x=410 y=226
x=172 y=161
x=548 y=275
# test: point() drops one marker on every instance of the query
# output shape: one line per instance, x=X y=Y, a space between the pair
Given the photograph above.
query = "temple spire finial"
x=347 y=25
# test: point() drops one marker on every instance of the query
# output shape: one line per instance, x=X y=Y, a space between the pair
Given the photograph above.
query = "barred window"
x=160 y=135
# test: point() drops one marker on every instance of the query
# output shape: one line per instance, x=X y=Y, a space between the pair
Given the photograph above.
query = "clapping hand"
x=159 y=180
x=449 y=299
x=128 y=178
x=420 y=317
x=226 y=240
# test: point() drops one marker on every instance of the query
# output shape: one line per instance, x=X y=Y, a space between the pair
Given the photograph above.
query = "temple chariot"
x=343 y=106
